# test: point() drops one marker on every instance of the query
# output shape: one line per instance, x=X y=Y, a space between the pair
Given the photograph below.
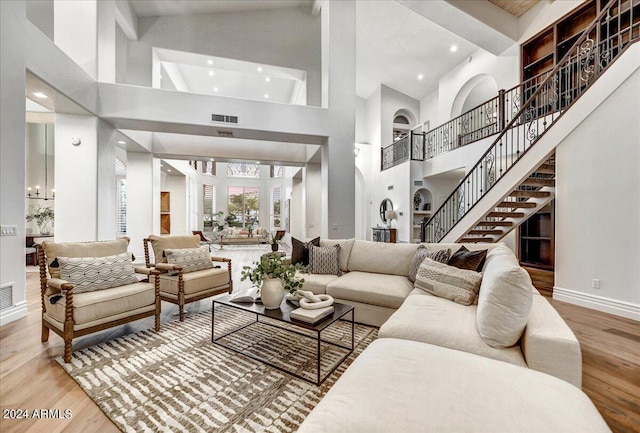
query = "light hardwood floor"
x=30 y=378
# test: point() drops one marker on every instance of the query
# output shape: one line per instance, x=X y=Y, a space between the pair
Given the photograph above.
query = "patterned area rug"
x=177 y=380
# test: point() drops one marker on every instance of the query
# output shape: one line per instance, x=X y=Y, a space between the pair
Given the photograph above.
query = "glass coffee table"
x=312 y=331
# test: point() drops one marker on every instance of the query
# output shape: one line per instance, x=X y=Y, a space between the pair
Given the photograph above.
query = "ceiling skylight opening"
x=40 y=95
x=454 y=48
x=420 y=76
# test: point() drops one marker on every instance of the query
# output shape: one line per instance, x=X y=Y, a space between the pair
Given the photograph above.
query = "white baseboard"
x=18 y=311
x=606 y=305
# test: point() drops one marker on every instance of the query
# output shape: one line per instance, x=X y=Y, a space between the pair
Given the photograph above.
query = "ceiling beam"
x=127 y=19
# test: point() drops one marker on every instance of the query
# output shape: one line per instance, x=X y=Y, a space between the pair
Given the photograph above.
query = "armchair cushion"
x=160 y=243
x=190 y=259
x=82 y=249
x=92 y=306
x=97 y=273
x=194 y=282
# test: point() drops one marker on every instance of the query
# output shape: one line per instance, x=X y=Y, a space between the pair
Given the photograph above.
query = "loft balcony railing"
x=545 y=100
x=408 y=147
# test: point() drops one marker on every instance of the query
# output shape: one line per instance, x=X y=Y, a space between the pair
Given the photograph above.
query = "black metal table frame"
x=318 y=382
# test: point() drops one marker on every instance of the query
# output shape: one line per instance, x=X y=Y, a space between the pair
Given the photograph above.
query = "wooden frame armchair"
x=180 y=287
x=72 y=315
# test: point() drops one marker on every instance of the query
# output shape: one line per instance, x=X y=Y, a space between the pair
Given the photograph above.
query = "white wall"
x=12 y=155
x=598 y=207
x=75 y=32
x=284 y=37
x=40 y=13
x=76 y=178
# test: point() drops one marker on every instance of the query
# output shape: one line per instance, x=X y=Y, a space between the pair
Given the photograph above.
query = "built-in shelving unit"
x=536 y=239
x=422 y=200
x=165 y=212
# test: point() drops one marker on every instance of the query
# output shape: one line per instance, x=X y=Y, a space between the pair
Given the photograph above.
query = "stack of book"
x=311 y=316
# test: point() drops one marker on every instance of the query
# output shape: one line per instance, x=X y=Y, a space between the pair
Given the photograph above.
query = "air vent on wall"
x=417 y=183
x=6 y=296
x=224 y=118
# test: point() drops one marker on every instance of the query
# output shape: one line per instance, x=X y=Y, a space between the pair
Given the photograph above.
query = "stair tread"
x=531 y=194
x=546 y=168
x=484 y=232
x=494 y=224
x=536 y=181
x=517 y=204
x=506 y=214
x=472 y=240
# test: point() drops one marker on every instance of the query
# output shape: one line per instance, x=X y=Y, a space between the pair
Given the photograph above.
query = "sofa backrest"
x=381 y=258
x=160 y=243
x=54 y=250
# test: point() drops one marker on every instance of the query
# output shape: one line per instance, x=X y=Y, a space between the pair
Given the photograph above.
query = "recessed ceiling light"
x=420 y=76
x=211 y=159
x=215 y=89
x=211 y=73
x=266 y=96
x=122 y=142
x=267 y=79
x=161 y=165
x=210 y=62
x=40 y=95
x=259 y=68
x=169 y=170
x=454 y=48
x=257 y=162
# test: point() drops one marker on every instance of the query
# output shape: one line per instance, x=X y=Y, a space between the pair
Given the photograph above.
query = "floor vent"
x=6 y=296
x=224 y=118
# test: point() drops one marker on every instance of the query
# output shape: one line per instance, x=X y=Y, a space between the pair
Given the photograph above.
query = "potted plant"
x=274 y=277
x=273 y=241
x=42 y=216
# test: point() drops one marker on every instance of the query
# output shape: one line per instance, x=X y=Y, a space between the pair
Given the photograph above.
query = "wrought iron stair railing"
x=607 y=36
x=409 y=146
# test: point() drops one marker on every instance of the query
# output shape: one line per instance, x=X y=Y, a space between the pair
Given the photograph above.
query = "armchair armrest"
x=142 y=270
x=220 y=259
x=167 y=267
x=60 y=284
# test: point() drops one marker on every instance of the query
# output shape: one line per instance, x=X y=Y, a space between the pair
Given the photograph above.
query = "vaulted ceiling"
x=515 y=7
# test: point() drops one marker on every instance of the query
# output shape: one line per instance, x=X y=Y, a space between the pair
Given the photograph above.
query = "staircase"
x=516 y=175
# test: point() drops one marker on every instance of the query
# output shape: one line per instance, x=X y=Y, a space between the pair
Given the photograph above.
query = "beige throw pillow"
x=191 y=259
x=505 y=299
x=444 y=281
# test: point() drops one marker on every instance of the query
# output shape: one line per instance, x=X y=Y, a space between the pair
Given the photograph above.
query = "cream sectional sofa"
x=431 y=371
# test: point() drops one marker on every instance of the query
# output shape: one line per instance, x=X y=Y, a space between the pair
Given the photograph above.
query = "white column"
x=106 y=181
x=313 y=200
x=143 y=199
x=12 y=156
x=76 y=178
x=106 y=34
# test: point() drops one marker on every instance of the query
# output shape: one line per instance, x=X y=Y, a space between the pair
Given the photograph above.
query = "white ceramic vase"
x=272 y=293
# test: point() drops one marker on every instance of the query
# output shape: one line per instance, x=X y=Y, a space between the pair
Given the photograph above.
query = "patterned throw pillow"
x=300 y=253
x=465 y=259
x=88 y=274
x=448 y=282
x=191 y=259
x=324 y=260
x=422 y=253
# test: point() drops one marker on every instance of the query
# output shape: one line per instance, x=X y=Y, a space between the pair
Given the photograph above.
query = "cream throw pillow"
x=505 y=299
x=444 y=281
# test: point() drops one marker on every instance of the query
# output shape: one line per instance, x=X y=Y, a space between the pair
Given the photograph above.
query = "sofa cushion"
x=404 y=386
x=161 y=243
x=381 y=258
x=505 y=299
x=82 y=249
x=300 y=253
x=317 y=283
x=422 y=253
x=470 y=260
x=190 y=259
x=376 y=289
x=91 y=306
x=346 y=245
x=439 y=279
x=194 y=282
x=429 y=319
x=97 y=273
x=324 y=260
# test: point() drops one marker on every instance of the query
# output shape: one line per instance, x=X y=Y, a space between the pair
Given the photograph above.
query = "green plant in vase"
x=42 y=216
x=274 y=277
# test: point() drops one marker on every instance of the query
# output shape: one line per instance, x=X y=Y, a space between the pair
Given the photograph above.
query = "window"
x=276 y=206
x=121 y=197
x=208 y=206
x=237 y=169
x=243 y=206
